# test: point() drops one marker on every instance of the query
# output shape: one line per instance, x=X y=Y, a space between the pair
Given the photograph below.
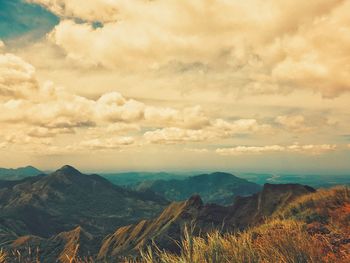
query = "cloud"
x=174 y=135
x=90 y=10
x=294 y=148
x=197 y=150
x=294 y=123
x=217 y=129
x=105 y=144
x=189 y=117
x=46 y=114
x=254 y=47
x=113 y=107
x=17 y=77
x=242 y=126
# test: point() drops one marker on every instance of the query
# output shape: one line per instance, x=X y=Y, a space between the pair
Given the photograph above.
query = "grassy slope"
x=313 y=228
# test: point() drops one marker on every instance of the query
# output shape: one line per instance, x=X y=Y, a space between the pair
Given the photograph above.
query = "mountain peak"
x=68 y=170
x=195 y=200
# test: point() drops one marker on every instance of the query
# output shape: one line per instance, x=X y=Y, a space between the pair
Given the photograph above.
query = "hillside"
x=130 y=179
x=220 y=188
x=47 y=205
x=311 y=228
x=168 y=227
x=282 y=223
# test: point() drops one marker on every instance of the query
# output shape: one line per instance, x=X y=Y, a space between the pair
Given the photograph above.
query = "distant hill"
x=47 y=205
x=133 y=178
x=166 y=229
x=314 y=180
x=18 y=173
x=220 y=188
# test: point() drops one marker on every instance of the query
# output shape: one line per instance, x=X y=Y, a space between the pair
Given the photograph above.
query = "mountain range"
x=165 y=231
x=219 y=188
x=47 y=205
x=68 y=216
x=18 y=173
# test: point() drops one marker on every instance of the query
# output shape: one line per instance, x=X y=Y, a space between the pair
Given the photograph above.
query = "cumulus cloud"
x=294 y=148
x=254 y=46
x=43 y=113
x=45 y=118
x=17 y=77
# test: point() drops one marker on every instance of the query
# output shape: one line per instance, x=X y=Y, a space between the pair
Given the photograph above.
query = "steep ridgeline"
x=59 y=248
x=47 y=205
x=167 y=228
x=219 y=188
x=18 y=173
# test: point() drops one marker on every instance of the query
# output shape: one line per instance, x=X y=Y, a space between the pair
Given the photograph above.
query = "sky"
x=121 y=85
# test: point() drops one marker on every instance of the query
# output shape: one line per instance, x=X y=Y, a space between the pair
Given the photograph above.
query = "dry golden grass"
x=33 y=256
x=278 y=241
x=314 y=228
x=330 y=207
x=3 y=256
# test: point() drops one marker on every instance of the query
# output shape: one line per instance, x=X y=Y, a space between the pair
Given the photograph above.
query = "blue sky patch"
x=28 y=22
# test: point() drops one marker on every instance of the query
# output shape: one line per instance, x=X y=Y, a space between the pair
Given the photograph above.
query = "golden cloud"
x=260 y=46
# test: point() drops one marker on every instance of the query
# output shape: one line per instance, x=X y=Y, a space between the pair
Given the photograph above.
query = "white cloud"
x=242 y=126
x=294 y=148
x=249 y=150
x=253 y=46
x=48 y=114
x=17 y=77
x=174 y=135
x=90 y=10
x=105 y=144
x=190 y=117
x=312 y=149
x=217 y=129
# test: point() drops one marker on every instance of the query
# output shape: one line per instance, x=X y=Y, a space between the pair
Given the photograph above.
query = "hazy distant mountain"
x=220 y=188
x=168 y=227
x=47 y=205
x=317 y=181
x=18 y=173
x=132 y=178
